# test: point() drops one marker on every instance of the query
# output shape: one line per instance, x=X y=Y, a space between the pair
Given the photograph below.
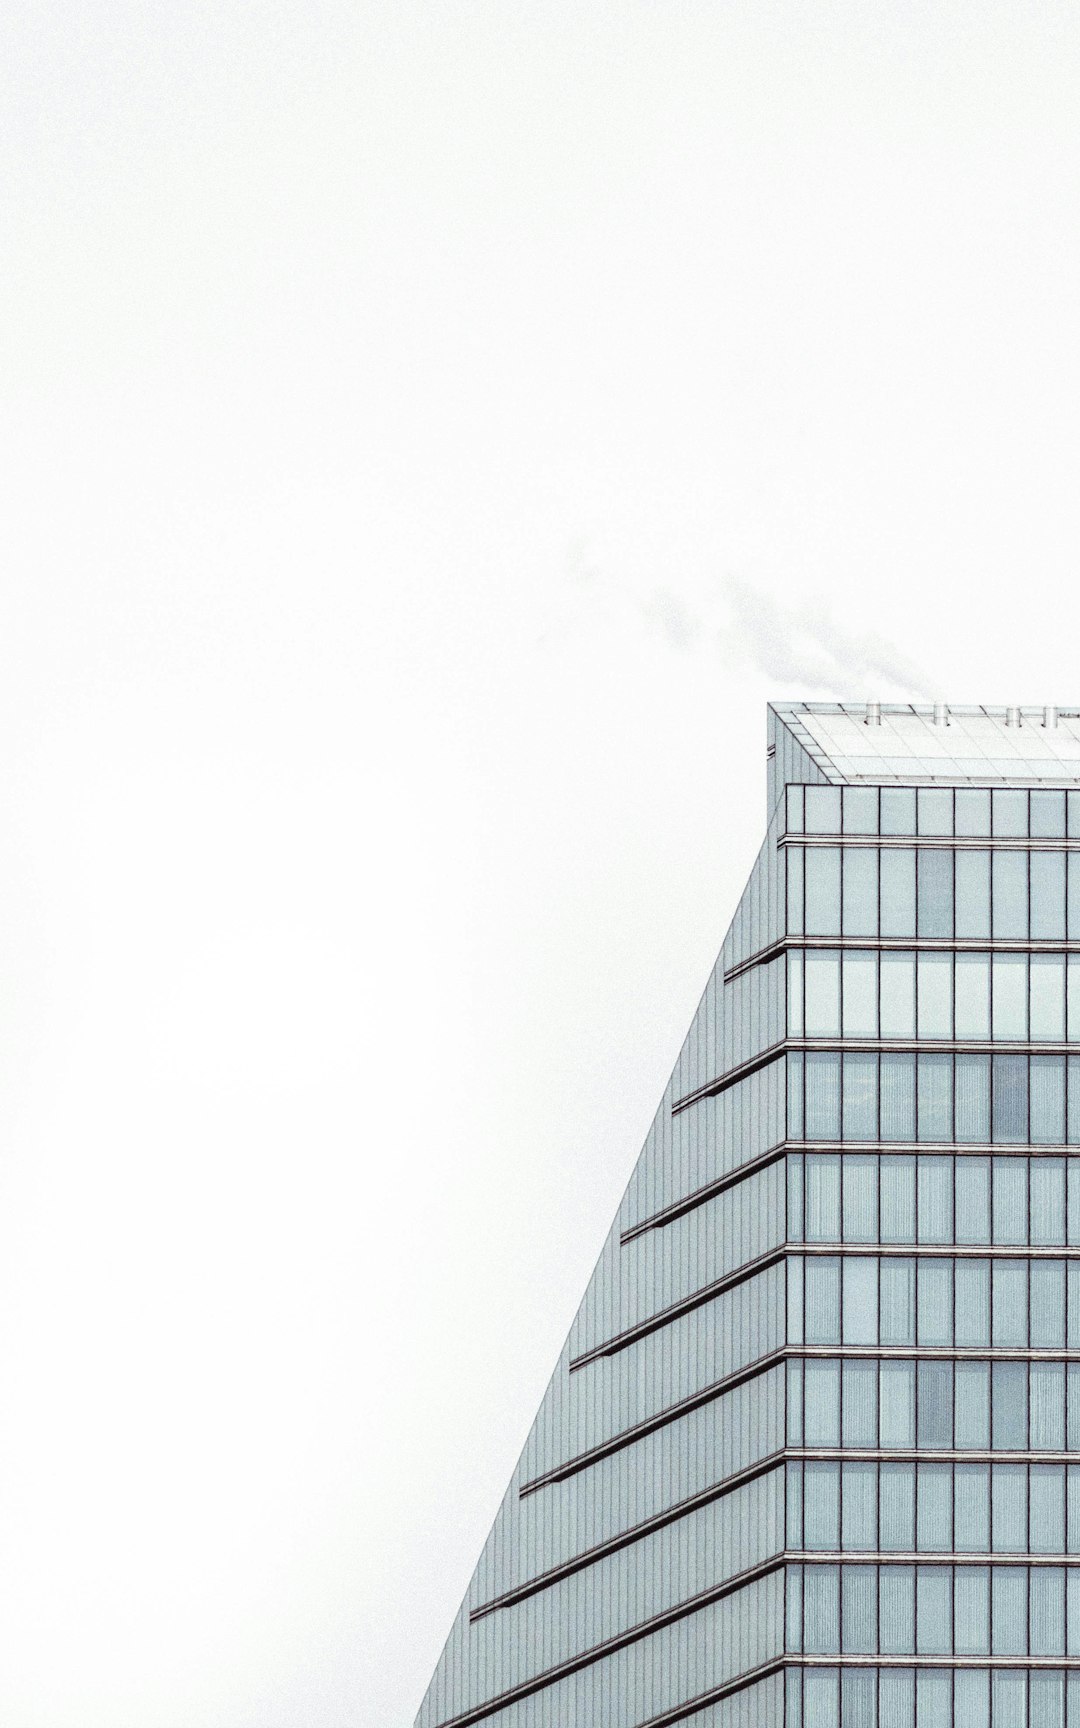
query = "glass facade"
x=807 y=1455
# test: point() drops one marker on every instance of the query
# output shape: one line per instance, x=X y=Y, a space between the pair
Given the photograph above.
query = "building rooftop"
x=941 y=742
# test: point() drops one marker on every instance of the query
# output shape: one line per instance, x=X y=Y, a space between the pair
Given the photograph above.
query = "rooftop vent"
x=873 y=714
x=1012 y=716
x=941 y=713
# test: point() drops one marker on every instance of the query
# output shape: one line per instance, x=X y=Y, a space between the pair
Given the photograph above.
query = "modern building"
x=806 y=1456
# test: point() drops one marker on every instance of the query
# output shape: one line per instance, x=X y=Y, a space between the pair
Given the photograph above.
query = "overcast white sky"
x=430 y=434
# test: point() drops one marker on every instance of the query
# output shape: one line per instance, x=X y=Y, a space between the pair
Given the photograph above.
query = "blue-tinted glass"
x=935 y=987
x=860 y=1300
x=897 y=891
x=858 y=1695
x=973 y=810
x=1048 y=1697
x=860 y=873
x=795 y=1192
x=972 y=1497
x=972 y=1303
x=897 y=1496
x=1009 y=1009
x=935 y=1097
x=794 y=809
x=933 y=1698
x=1073 y=815
x=897 y=1394
x=1047 y=1392
x=897 y=1588
x=1010 y=1201
x=897 y=1179
x=934 y=1415
x=1008 y=1406
x=1009 y=813
x=935 y=810
x=1008 y=1611
x=973 y=1099
x=795 y=856
x=971 y=1615
x=795 y=971
x=822 y=809
x=822 y=1096
x=973 y=894
x=896 y=1697
x=1047 y=896
x=859 y=1390
x=1010 y=895
x=973 y=1200
x=795 y=1096
x=1048 y=1105
x=935 y=1176
x=897 y=975
x=1009 y=1288
x=861 y=1101
x=821 y=1505
x=858 y=1609
x=822 y=1300
x=821 y=1698
x=823 y=992
x=973 y=995
x=1047 y=1304
x=933 y=1610
x=1072 y=998
x=1008 y=1502
x=1072 y=918
x=971 y=1698
x=935 y=874
x=821 y=1413
x=1047 y=814
x=897 y=1301
x=1047 y=1611
x=860 y=974
x=821 y=1609
x=897 y=1096
x=822 y=871
x=1046 y=1491
x=1047 y=997
x=898 y=810
x=972 y=1433
x=1047 y=1186
x=935 y=1302
x=860 y=810
x=1010 y=1083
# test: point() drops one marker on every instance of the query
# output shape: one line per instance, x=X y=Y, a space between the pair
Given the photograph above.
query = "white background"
x=431 y=431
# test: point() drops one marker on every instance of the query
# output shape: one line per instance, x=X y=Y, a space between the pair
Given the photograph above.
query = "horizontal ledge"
x=923 y=1455
x=610 y=1647
x=870 y=1661
x=701 y=1196
x=904 y=945
x=635 y=1533
x=912 y=1557
x=686 y=1305
x=939 y=842
x=743 y=1071
x=641 y=1430
x=728 y=1689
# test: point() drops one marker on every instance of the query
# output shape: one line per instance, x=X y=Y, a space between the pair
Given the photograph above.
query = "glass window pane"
x=897 y=1495
x=1048 y=1200
x=973 y=995
x=794 y=809
x=934 y=1506
x=1008 y=1508
x=821 y=1505
x=822 y=1196
x=971 y=1598
x=795 y=1123
x=935 y=871
x=897 y=1177
x=1072 y=998
x=821 y=1403
x=860 y=1403
x=1047 y=1304
x=1009 y=813
x=859 y=1609
x=972 y=1303
x=1047 y=1508
x=1048 y=1109
x=861 y=809
x=1009 y=1291
x=1010 y=1201
x=972 y=1427
x=935 y=1097
x=861 y=1100
x=861 y=1194
x=1008 y=1406
x=1047 y=1390
x=933 y=1609
x=897 y=1096
x=897 y=891
x=935 y=1301
x=973 y=1200
x=822 y=871
x=1073 y=898
x=822 y=806
x=821 y=1698
x=898 y=1301
x=1010 y=1078
x=897 y=1391
x=972 y=1099
x=823 y=993
x=935 y=1414
x=935 y=1199
x=898 y=995
x=973 y=810
x=897 y=1589
x=860 y=970
x=822 y=1096
x=1047 y=1610
x=896 y=1697
x=934 y=810
x=860 y=873
x=823 y=1300
x=972 y=1494
x=1048 y=814
x=1047 y=895
x=821 y=1610
x=1008 y=1610
x=1009 y=995
x=858 y=1695
x=1047 y=997
x=898 y=810
x=860 y=1300
x=1048 y=1693
x=935 y=995
x=860 y=1508
x=973 y=893
x=1010 y=877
